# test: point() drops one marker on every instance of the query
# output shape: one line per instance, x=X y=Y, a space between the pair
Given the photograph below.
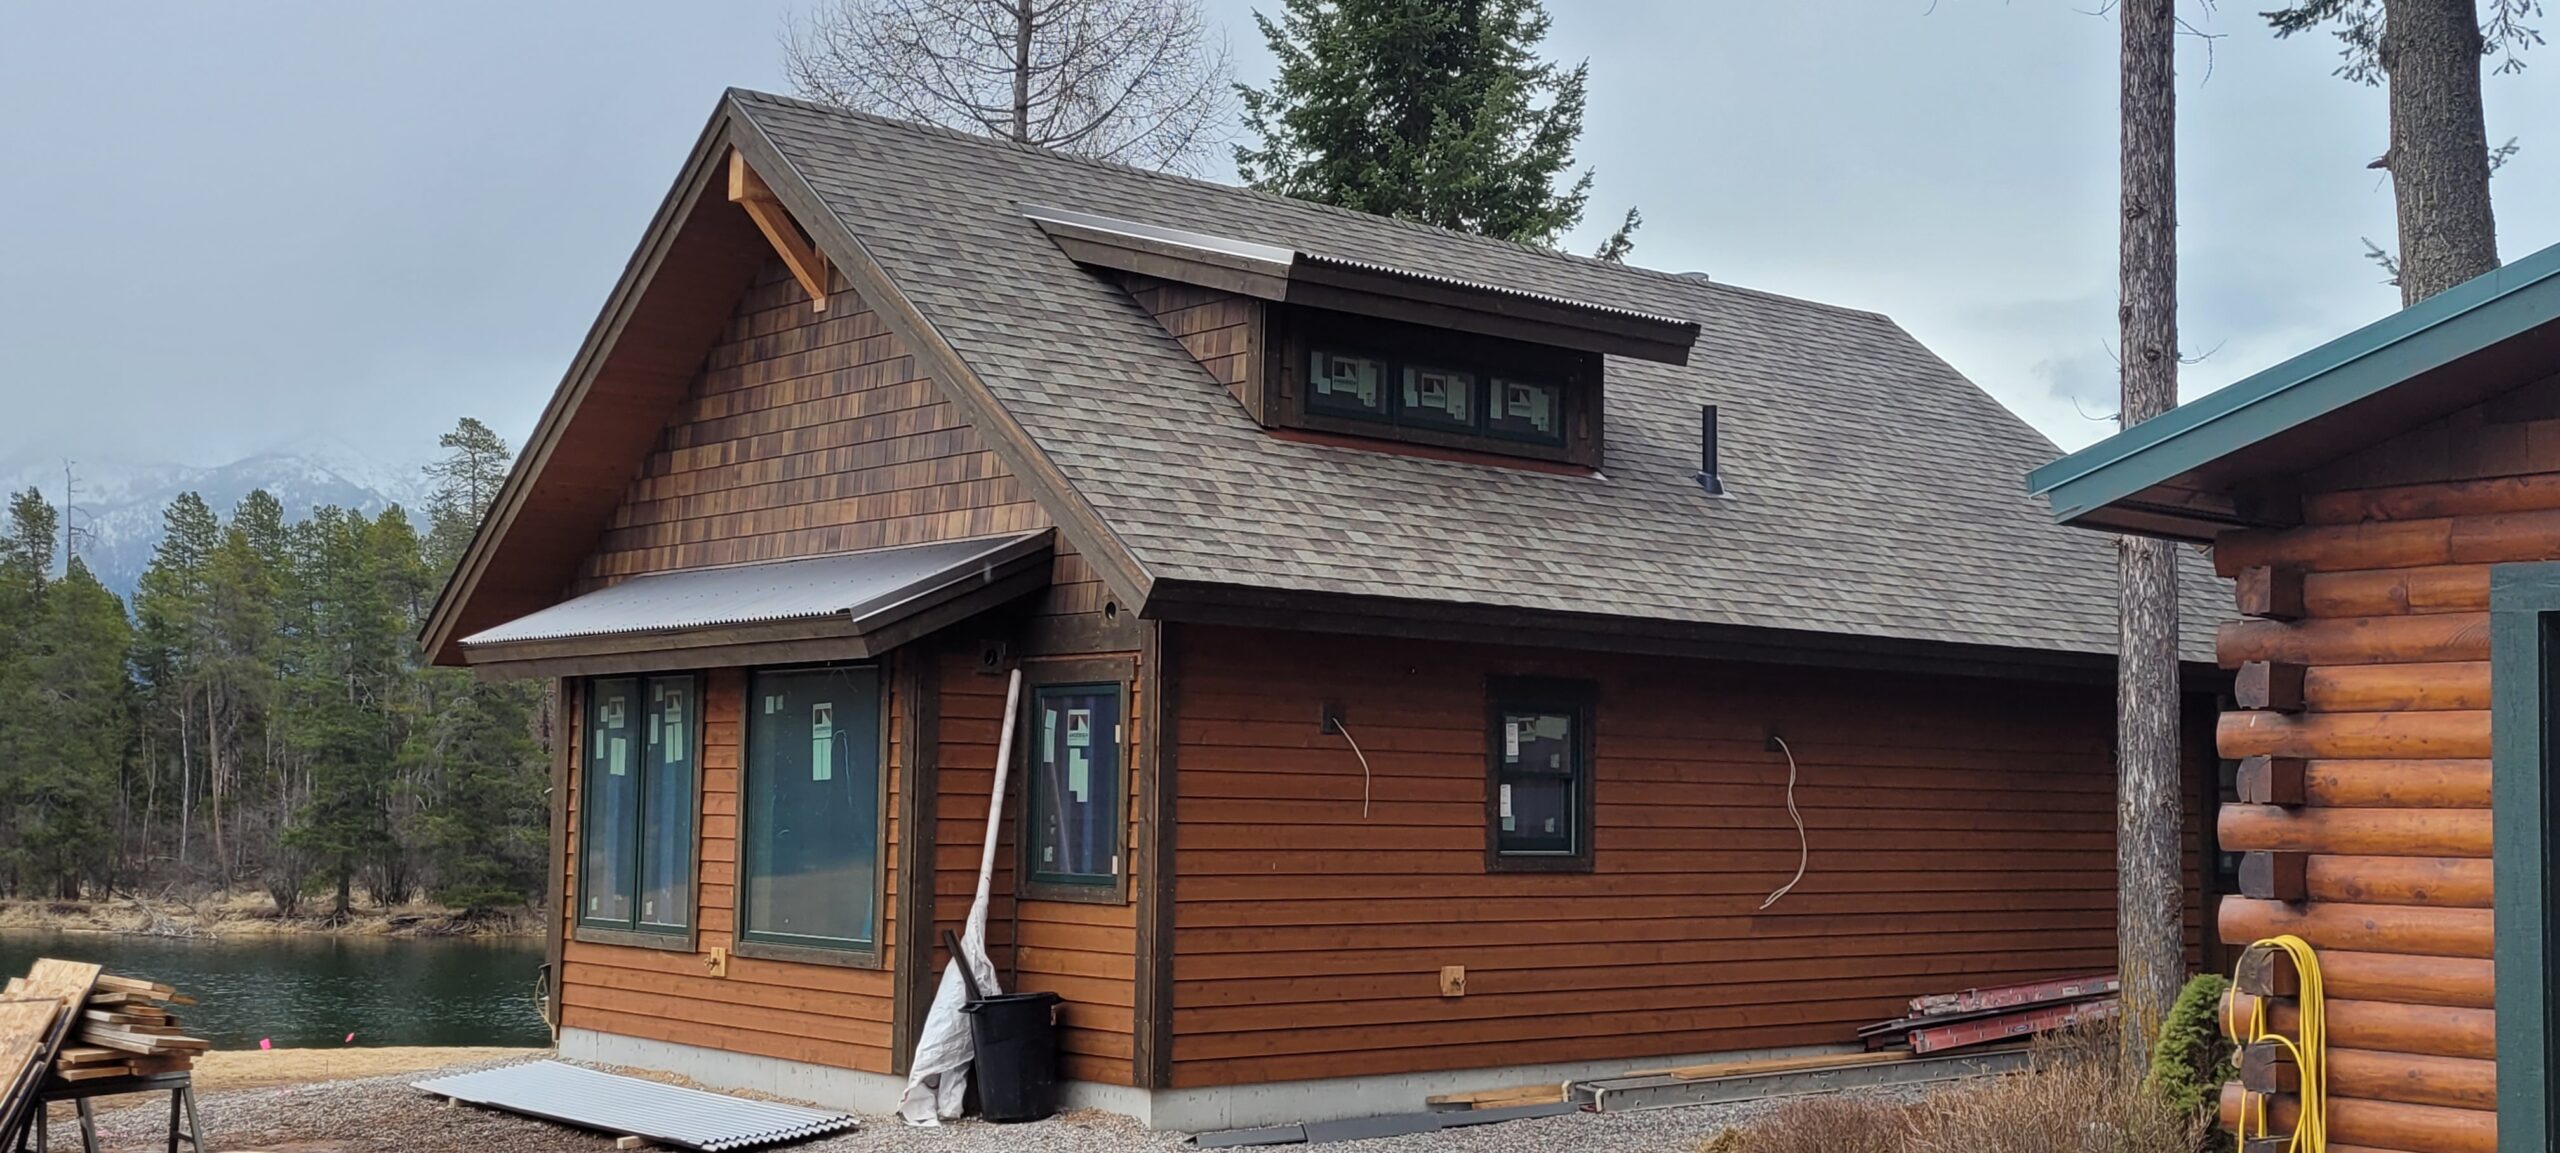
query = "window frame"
x=1576 y=698
x=749 y=942
x=1295 y=333
x=1119 y=674
x=631 y=931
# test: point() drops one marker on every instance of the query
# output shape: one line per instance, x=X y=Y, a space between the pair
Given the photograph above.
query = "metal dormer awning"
x=846 y=606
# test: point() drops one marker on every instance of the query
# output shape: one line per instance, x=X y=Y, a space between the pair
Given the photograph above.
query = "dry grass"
x=2073 y=1099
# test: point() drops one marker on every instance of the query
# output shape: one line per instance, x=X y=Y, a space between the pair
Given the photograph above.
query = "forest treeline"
x=260 y=717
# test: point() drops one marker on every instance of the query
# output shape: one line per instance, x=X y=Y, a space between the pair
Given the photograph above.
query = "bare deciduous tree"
x=1140 y=82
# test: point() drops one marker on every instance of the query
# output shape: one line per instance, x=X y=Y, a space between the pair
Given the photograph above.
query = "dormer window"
x=1364 y=376
x=1332 y=343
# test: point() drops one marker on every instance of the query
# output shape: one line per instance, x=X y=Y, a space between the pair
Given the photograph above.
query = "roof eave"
x=2459 y=322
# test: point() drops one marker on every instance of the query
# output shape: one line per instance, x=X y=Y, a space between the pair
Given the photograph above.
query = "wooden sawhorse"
x=182 y=1107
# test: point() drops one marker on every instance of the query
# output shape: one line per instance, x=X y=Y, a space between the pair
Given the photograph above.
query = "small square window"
x=1346 y=385
x=1531 y=410
x=1436 y=397
x=1538 y=809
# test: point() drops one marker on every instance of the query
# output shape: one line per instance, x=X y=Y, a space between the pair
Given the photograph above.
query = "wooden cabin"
x=2389 y=504
x=1424 y=638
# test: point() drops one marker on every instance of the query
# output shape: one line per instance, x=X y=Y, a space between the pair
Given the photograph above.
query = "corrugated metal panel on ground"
x=610 y=1103
x=853 y=584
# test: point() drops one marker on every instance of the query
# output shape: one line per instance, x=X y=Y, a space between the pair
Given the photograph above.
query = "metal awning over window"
x=847 y=606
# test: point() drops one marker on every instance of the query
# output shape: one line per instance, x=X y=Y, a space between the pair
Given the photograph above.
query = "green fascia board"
x=2461 y=320
x=2522 y=599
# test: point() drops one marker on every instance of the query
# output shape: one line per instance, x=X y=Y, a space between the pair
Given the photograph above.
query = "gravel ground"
x=385 y=1114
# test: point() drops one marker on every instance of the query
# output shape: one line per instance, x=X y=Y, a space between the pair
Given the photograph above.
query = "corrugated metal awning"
x=630 y=1106
x=862 y=597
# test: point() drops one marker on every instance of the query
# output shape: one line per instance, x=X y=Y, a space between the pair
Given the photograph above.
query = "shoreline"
x=250 y=916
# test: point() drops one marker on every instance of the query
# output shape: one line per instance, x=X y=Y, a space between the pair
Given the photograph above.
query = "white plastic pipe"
x=938 y=1078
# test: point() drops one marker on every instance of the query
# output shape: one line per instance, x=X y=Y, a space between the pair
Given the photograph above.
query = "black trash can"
x=1016 y=1035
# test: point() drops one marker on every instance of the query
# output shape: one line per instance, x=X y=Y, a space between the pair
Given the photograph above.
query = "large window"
x=1074 y=812
x=641 y=746
x=1538 y=780
x=812 y=821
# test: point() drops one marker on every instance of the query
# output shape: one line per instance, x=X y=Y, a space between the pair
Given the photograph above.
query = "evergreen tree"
x=467 y=481
x=72 y=713
x=1433 y=110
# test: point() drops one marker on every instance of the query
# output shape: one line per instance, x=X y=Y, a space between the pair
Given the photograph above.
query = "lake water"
x=312 y=991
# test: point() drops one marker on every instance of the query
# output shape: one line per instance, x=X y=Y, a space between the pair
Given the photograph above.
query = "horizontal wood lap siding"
x=1961 y=832
x=1084 y=953
x=820 y=1014
x=2396 y=547
x=806 y=433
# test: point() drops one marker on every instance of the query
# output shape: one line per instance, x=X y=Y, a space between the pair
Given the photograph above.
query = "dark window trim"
x=749 y=942
x=2524 y=659
x=1513 y=694
x=1120 y=674
x=1294 y=332
x=632 y=933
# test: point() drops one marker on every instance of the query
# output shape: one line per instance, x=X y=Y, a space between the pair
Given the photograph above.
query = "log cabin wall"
x=1962 y=834
x=2390 y=740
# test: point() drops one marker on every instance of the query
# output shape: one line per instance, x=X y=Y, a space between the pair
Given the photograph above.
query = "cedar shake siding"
x=807 y=433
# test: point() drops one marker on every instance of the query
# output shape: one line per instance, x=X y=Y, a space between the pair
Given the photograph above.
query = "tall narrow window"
x=1074 y=813
x=812 y=830
x=636 y=871
x=1538 y=782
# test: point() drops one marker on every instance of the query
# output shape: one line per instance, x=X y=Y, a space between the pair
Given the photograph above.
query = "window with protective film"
x=1538 y=811
x=1076 y=738
x=811 y=827
x=636 y=865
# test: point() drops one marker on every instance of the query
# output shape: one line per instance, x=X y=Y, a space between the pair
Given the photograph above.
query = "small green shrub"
x=2192 y=1058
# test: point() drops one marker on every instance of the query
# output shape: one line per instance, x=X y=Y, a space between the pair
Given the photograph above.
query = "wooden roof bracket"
x=808 y=265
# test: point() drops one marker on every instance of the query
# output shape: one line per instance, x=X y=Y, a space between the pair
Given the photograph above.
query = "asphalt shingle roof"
x=1875 y=491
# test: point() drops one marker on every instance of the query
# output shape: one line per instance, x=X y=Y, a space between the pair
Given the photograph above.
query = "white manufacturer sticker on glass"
x=822 y=741
x=617 y=756
x=1510 y=740
x=1506 y=808
x=613 y=712
x=677 y=745
x=1079 y=773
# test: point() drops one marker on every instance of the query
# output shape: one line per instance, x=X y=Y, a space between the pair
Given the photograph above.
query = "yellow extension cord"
x=2309 y=1051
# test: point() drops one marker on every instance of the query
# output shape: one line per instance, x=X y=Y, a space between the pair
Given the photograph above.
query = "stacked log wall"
x=2391 y=644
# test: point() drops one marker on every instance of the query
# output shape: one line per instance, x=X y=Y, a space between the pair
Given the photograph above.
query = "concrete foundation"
x=1183 y=1110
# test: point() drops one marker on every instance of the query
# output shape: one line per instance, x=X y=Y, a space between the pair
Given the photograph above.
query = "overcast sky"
x=232 y=227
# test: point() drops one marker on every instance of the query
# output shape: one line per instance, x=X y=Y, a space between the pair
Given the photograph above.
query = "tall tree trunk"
x=186 y=783
x=2151 y=950
x=1022 y=70
x=2439 y=157
x=213 y=773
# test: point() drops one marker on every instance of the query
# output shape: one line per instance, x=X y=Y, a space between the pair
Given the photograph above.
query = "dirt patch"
x=260 y=1068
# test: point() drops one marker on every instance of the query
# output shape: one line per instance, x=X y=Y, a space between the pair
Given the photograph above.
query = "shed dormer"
x=1332 y=346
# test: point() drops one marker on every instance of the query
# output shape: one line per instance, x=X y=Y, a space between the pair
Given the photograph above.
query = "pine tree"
x=1433 y=110
x=170 y=607
x=2430 y=52
x=75 y=709
x=467 y=481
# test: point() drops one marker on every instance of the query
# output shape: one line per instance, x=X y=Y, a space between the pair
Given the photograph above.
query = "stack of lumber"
x=125 y=1029
x=1943 y=1021
x=38 y=1012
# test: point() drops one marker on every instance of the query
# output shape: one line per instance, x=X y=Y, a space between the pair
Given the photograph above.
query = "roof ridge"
x=1681 y=281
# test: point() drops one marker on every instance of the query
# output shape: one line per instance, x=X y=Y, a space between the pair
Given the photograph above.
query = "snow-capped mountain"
x=117 y=506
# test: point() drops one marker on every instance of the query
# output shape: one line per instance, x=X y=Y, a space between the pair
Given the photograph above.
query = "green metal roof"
x=2467 y=318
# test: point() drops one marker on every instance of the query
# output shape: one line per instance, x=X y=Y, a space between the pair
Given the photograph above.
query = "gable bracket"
x=1120 y=569
x=808 y=265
